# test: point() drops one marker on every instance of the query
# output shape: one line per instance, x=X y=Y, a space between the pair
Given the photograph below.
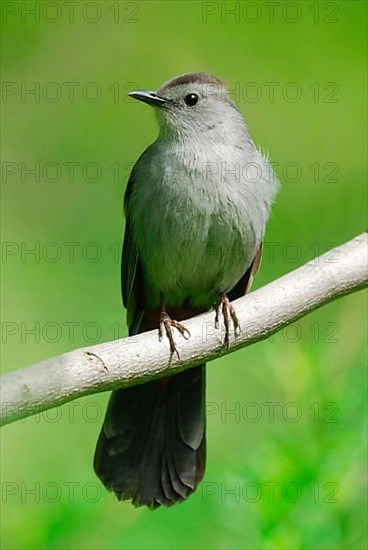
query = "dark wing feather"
x=129 y=258
x=244 y=284
x=131 y=273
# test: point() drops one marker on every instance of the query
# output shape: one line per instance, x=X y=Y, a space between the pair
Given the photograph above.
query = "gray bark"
x=137 y=359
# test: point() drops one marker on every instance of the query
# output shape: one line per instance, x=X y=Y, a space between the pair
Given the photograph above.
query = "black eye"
x=191 y=99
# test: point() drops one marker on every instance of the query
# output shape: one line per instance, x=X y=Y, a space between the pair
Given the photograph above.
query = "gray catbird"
x=196 y=207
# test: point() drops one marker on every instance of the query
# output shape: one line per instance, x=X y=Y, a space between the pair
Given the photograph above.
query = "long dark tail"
x=152 y=446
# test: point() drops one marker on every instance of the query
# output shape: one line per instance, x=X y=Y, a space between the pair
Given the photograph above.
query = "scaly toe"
x=166 y=326
x=228 y=312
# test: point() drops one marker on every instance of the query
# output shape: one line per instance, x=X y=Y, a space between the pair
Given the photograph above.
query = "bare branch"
x=137 y=359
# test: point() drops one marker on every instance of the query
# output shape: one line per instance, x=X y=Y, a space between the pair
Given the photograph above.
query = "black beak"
x=148 y=97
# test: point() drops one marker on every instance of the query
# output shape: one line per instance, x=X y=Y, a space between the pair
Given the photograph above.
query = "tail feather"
x=152 y=447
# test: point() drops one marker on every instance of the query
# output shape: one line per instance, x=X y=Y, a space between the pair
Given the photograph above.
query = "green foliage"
x=310 y=450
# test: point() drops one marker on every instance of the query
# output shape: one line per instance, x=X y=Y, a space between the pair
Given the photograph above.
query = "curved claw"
x=166 y=325
x=227 y=312
x=183 y=330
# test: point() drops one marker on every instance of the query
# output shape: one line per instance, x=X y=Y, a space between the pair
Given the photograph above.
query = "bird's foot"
x=228 y=312
x=166 y=326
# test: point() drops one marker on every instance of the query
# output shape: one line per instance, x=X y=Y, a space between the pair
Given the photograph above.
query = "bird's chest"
x=193 y=238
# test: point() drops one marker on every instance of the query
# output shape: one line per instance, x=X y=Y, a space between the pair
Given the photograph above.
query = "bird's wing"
x=244 y=284
x=131 y=286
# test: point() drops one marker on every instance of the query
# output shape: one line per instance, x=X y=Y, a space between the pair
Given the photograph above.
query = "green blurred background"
x=312 y=451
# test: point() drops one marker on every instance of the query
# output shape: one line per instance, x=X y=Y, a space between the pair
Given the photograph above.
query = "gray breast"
x=195 y=235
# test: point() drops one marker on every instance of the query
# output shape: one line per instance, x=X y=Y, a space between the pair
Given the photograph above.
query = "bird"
x=196 y=207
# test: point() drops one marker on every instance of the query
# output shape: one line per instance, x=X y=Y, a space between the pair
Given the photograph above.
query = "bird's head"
x=193 y=105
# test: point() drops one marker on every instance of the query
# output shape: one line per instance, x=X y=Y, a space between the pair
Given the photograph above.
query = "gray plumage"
x=197 y=204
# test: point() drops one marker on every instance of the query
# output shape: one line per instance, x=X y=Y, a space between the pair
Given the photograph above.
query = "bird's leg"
x=166 y=325
x=227 y=312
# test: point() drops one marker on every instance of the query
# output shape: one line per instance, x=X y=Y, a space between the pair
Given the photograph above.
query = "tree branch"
x=140 y=358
